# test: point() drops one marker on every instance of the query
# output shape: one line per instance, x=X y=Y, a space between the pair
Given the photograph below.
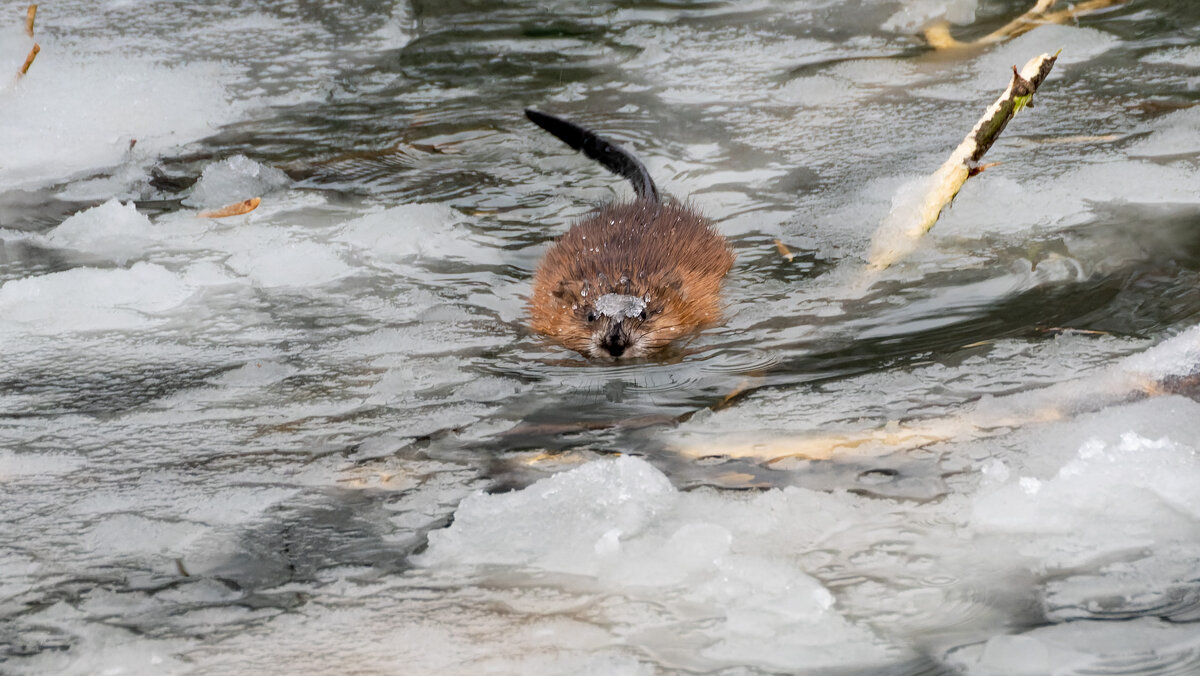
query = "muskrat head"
x=608 y=321
x=614 y=323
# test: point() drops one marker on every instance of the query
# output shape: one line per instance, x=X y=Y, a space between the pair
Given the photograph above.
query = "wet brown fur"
x=666 y=253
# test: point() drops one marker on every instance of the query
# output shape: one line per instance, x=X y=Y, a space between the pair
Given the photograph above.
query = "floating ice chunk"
x=127 y=534
x=1160 y=581
x=866 y=75
x=127 y=182
x=432 y=230
x=1144 y=645
x=984 y=207
x=1077 y=195
x=1021 y=656
x=1181 y=139
x=14 y=46
x=206 y=273
x=723 y=569
x=112 y=230
x=1111 y=492
x=1078 y=45
x=1178 y=134
x=258 y=373
x=995 y=470
x=609 y=544
x=233 y=180
x=31 y=463
x=224 y=396
x=1177 y=356
x=817 y=91
x=398 y=231
x=916 y=14
x=88 y=299
x=1178 y=56
x=690 y=549
x=103 y=649
x=73 y=113
x=1030 y=485
x=556 y=523
x=488 y=389
x=397 y=31
x=900 y=232
x=295 y=264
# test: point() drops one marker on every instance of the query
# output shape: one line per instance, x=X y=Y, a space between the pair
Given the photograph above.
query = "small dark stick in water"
x=628 y=279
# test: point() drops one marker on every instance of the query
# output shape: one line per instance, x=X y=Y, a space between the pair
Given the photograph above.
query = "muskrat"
x=628 y=279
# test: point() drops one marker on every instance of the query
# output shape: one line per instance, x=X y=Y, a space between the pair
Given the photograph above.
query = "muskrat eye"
x=591 y=316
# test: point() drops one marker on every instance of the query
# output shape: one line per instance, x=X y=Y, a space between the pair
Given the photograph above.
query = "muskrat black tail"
x=612 y=156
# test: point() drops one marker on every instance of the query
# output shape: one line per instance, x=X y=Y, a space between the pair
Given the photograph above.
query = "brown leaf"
x=784 y=251
x=238 y=209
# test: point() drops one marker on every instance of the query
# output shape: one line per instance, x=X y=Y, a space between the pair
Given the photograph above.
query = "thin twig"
x=29 y=60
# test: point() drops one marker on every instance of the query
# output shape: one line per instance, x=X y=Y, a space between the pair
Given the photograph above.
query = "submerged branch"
x=1001 y=415
x=898 y=234
x=938 y=35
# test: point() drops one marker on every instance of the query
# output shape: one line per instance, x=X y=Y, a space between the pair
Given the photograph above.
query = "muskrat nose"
x=615 y=343
x=615 y=347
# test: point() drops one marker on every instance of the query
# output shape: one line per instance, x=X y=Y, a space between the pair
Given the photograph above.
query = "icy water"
x=317 y=438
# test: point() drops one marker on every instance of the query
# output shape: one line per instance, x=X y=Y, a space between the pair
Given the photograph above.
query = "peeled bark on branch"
x=901 y=229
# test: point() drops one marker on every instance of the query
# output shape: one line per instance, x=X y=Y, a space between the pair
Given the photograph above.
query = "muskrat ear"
x=674 y=282
x=568 y=289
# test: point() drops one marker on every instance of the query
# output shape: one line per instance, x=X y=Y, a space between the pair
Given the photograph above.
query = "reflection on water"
x=317 y=436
